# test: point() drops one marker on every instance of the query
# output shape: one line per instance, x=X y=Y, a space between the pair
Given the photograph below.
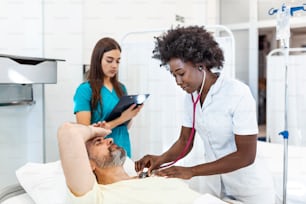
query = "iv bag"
x=283 y=23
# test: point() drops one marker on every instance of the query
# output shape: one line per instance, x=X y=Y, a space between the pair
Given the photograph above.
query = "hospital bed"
x=15 y=194
x=44 y=183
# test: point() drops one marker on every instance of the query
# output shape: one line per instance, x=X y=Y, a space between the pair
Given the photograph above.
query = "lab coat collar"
x=213 y=90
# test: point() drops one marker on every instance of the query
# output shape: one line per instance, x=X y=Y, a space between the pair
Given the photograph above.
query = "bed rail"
x=10 y=191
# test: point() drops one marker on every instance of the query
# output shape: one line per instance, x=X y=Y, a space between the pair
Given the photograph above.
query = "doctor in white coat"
x=223 y=113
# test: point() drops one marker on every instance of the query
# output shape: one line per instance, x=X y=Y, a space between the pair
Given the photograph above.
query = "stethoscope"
x=191 y=136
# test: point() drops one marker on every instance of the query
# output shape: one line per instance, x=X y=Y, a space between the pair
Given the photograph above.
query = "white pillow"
x=45 y=182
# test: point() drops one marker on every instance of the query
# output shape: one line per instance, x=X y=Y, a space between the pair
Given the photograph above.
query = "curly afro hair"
x=190 y=44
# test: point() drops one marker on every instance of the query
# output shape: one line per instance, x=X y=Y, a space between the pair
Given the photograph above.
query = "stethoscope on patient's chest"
x=192 y=133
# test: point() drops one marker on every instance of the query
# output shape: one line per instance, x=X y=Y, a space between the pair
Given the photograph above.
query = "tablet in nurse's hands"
x=125 y=102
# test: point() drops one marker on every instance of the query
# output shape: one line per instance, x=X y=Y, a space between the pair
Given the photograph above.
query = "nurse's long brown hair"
x=96 y=74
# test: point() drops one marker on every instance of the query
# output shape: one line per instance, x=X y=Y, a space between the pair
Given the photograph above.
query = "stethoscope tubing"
x=192 y=133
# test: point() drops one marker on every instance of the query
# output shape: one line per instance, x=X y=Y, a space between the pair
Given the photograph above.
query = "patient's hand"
x=175 y=172
x=103 y=124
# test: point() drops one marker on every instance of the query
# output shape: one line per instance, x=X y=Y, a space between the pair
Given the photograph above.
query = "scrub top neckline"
x=111 y=91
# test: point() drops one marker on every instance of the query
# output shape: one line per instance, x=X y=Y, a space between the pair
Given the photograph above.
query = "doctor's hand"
x=175 y=172
x=149 y=161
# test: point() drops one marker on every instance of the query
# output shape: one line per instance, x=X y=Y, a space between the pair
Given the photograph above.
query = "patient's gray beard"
x=116 y=158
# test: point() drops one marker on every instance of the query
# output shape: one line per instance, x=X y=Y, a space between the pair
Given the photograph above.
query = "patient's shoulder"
x=129 y=167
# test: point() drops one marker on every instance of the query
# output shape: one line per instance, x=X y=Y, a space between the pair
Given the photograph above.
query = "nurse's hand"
x=175 y=172
x=149 y=161
x=131 y=112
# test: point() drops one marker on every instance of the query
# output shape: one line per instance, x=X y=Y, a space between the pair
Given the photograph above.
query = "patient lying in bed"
x=45 y=182
x=94 y=173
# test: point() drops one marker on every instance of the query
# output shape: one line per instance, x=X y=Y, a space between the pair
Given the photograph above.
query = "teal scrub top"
x=82 y=100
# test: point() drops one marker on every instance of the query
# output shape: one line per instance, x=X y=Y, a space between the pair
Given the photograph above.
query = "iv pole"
x=283 y=34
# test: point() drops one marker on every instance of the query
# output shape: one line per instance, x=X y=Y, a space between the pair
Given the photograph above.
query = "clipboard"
x=124 y=103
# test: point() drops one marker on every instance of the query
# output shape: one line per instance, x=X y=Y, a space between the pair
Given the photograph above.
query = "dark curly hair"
x=190 y=44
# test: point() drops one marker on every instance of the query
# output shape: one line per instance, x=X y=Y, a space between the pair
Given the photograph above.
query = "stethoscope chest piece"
x=143 y=174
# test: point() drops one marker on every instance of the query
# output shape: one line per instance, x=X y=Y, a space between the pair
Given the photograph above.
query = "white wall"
x=21 y=27
x=20 y=134
x=116 y=18
x=63 y=39
x=20 y=126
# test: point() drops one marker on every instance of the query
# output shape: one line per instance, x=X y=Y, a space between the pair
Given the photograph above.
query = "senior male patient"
x=93 y=168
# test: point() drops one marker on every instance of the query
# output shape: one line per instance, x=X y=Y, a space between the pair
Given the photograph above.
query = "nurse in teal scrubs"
x=96 y=98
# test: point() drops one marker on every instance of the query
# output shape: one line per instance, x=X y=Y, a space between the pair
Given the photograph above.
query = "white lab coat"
x=229 y=109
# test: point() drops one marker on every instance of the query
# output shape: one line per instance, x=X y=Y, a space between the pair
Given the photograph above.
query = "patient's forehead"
x=90 y=143
x=92 y=140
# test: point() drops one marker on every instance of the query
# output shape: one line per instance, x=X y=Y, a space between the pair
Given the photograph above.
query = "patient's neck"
x=111 y=175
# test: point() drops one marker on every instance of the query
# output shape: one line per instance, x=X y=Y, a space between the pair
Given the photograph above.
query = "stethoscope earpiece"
x=200 y=68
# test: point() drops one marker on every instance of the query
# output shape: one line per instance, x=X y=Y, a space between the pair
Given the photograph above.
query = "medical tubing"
x=191 y=136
